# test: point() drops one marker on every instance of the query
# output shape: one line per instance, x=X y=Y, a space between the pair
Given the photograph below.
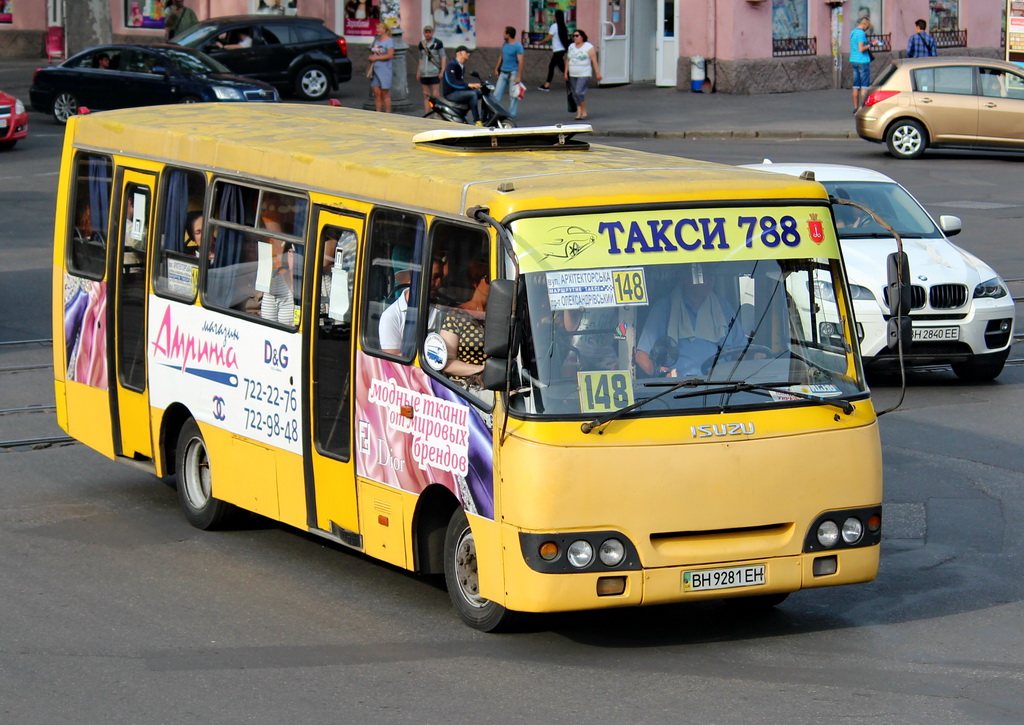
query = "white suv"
x=962 y=312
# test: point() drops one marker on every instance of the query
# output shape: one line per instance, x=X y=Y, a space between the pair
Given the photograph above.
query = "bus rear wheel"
x=462 y=577
x=192 y=475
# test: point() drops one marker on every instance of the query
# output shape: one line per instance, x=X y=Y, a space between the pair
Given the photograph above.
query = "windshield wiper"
x=784 y=387
x=669 y=388
x=717 y=387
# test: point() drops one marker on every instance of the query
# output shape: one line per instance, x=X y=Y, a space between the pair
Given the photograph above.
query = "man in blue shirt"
x=454 y=86
x=860 y=61
x=509 y=70
x=921 y=44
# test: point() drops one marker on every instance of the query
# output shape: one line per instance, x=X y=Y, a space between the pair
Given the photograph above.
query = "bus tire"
x=460 y=574
x=192 y=475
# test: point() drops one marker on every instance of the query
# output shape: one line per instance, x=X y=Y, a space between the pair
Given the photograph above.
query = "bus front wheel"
x=462 y=577
x=192 y=475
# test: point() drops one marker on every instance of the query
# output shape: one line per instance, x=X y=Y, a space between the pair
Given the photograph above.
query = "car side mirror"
x=899 y=329
x=950 y=225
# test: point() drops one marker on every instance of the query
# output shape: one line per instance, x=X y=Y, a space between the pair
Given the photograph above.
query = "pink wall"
x=28 y=16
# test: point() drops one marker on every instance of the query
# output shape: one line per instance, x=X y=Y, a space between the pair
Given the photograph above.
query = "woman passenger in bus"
x=462 y=328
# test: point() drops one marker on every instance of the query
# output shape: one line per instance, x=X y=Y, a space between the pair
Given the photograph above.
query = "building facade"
x=731 y=46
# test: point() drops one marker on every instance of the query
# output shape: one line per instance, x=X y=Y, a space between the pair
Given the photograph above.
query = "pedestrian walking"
x=381 y=53
x=558 y=36
x=582 y=66
x=178 y=17
x=921 y=44
x=432 y=60
x=509 y=70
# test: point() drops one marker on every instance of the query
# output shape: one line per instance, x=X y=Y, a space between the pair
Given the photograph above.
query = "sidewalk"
x=630 y=110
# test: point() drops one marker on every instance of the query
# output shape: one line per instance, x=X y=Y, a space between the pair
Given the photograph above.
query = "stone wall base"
x=791 y=74
x=23 y=44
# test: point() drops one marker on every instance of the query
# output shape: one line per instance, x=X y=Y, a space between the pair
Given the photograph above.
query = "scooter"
x=492 y=113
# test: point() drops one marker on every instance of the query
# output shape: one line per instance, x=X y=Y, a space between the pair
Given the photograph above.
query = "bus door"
x=330 y=467
x=130 y=399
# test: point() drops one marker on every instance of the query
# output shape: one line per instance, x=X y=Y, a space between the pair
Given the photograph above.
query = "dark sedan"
x=122 y=76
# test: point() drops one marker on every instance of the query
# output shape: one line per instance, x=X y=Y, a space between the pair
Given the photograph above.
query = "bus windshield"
x=601 y=339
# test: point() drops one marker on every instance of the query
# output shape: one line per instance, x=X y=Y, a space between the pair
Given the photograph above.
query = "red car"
x=13 y=121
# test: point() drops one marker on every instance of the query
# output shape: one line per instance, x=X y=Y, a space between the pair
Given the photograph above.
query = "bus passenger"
x=462 y=328
x=194 y=233
x=391 y=328
x=686 y=328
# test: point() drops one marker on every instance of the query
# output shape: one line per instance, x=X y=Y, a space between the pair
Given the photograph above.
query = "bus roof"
x=369 y=155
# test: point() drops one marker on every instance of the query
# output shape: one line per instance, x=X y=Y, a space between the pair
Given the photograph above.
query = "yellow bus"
x=566 y=376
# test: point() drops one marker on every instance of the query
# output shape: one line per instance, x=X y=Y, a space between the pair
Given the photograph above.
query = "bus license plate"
x=936 y=333
x=734 y=576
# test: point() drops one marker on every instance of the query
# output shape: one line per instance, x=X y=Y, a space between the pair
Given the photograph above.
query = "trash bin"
x=696 y=73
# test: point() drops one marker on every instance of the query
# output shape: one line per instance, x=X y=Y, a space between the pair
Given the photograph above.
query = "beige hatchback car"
x=945 y=102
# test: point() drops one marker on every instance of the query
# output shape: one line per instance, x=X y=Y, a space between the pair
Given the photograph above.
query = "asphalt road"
x=114 y=610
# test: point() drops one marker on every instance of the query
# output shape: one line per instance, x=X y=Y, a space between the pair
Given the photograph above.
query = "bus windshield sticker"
x=182 y=277
x=575 y=289
x=605 y=391
x=435 y=351
x=820 y=391
x=264 y=266
x=670 y=236
x=138 y=217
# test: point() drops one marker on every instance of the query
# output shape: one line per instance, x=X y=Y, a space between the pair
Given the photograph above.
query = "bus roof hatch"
x=559 y=137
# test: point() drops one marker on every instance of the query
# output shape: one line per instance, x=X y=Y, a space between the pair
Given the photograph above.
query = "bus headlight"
x=612 y=552
x=828 y=533
x=580 y=554
x=853 y=529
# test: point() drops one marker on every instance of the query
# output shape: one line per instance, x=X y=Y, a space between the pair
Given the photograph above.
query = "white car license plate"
x=3 y=123
x=936 y=333
x=733 y=576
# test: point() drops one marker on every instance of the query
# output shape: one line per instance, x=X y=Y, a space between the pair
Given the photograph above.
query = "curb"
x=724 y=134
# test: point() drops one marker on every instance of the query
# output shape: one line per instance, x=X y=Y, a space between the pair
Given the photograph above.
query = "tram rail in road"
x=26 y=419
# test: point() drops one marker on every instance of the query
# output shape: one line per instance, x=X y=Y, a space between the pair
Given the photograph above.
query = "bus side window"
x=176 y=271
x=254 y=258
x=394 y=278
x=459 y=301
x=93 y=179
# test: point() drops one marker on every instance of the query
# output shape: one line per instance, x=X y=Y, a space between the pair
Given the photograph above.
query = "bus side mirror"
x=898 y=296
x=498 y=333
x=498 y=326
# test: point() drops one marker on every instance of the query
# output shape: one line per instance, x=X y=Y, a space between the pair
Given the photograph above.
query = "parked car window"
x=278 y=33
x=194 y=63
x=945 y=79
x=310 y=33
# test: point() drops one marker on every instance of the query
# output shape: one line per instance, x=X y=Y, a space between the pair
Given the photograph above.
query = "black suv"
x=291 y=53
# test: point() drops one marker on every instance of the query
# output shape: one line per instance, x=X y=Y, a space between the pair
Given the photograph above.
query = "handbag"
x=519 y=91
x=570 y=100
x=871 y=56
x=369 y=70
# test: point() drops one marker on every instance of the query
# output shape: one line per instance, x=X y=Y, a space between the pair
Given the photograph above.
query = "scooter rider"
x=454 y=86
